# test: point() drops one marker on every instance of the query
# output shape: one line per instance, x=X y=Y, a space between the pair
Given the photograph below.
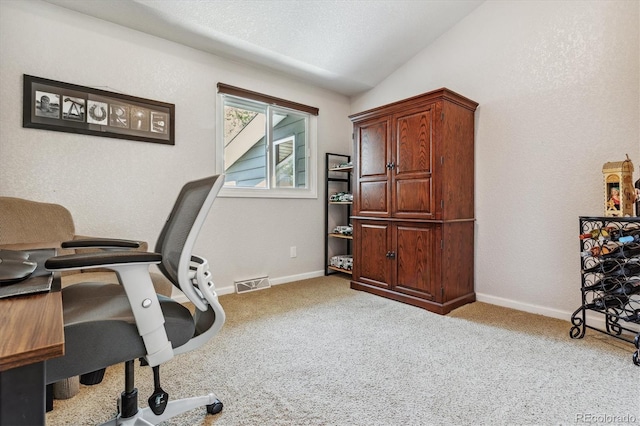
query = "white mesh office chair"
x=106 y=324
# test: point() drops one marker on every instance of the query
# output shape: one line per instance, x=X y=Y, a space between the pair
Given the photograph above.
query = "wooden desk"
x=31 y=331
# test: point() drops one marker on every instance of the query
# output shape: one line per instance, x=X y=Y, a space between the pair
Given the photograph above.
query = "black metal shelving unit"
x=338 y=179
x=609 y=283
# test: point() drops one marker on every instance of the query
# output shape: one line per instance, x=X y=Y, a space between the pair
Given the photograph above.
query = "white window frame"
x=311 y=158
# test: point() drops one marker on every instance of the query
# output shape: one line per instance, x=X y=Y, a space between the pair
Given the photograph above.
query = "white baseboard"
x=298 y=277
x=526 y=307
x=229 y=289
x=593 y=319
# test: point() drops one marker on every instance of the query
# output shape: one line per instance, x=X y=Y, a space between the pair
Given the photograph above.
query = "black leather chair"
x=107 y=324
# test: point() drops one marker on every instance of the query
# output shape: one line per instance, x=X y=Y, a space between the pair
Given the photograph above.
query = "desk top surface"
x=32 y=327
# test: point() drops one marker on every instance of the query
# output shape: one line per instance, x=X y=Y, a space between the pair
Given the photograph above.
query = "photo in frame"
x=65 y=107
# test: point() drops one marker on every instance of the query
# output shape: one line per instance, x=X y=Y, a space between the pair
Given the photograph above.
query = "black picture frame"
x=65 y=107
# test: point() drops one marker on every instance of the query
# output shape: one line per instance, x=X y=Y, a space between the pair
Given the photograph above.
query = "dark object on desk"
x=15 y=266
x=106 y=324
x=38 y=281
x=14 y=254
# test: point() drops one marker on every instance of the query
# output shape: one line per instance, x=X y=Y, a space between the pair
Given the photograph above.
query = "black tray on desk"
x=40 y=279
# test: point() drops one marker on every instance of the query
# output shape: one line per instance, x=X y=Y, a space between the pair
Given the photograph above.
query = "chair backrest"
x=181 y=229
x=24 y=222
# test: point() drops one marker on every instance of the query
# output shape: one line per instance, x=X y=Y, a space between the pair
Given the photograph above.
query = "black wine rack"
x=609 y=282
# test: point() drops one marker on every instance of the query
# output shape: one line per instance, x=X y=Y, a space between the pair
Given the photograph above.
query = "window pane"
x=284 y=155
x=289 y=158
x=245 y=160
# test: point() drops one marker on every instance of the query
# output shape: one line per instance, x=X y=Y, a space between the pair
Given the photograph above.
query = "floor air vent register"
x=252 y=284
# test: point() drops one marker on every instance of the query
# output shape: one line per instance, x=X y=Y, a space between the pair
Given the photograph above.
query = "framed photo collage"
x=65 y=107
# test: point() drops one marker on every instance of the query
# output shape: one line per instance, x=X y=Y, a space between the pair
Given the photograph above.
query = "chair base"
x=145 y=416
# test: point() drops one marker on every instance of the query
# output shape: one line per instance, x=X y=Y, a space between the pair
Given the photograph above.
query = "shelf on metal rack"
x=348 y=237
x=341 y=169
x=333 y=268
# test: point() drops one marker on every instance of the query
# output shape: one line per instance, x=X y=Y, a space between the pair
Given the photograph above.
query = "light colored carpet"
x=315 y=352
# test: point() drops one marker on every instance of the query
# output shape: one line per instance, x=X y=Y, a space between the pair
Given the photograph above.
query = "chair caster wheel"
x=214 y=408
x=92 y=378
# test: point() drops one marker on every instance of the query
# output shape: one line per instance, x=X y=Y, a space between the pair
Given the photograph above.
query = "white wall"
x=125 y=189
x=559 y=96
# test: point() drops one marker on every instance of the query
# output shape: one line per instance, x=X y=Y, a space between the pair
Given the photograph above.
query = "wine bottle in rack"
x=596 y=233
x=622 y=251
x=600 y=249
x=616 y=286
x=605 y=284
x=629 y=231
x=605 y=302
x=614 y=267
x=634 y=317
x=629 y=238
x=628 y=288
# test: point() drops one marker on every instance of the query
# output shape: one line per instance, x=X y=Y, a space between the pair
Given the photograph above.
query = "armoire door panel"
x=417 y=265
x=413 y=143
x=373 y=199
x=413 y=199
x=372 y=266
x=373 y=150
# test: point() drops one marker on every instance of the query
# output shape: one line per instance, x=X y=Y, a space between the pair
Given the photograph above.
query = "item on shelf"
x=342 y=261
x=341 y=197
x=343 y=230
x=619 y=194
x=345 y=165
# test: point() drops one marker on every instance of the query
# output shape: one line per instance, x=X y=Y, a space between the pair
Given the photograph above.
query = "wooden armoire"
x=413 y=212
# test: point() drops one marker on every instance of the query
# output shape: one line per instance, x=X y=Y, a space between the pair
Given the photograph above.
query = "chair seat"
x=100 y=329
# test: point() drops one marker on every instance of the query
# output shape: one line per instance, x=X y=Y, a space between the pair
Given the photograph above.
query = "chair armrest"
x=102 y=243
x=132 y=268
x=100 y=260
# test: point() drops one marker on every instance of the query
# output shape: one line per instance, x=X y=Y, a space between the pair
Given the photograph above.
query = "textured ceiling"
x=347 y=46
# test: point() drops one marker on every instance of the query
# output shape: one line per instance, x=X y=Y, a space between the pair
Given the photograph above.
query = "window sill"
x=267 y=193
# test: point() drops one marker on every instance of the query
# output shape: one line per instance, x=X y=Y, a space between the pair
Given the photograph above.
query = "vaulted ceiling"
x=347 y=46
